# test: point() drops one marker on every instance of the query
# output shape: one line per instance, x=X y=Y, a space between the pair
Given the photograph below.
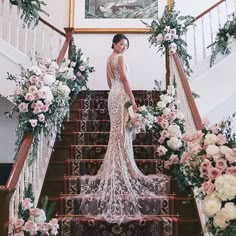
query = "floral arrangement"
x=41 y=99
x=43 y=94
x=166 y=34
x=30 y=11
x=170 y=125
x=209 y=164
x=223 y=39
x=141 y=120
x=32 y=220
x=82 y=70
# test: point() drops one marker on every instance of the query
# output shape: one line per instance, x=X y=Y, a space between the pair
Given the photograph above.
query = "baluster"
x=219 y=22
x=16 y=200
x=211 y=32
x=195 y=45
x=18 y=28
x=9 y=22
x=226 y=10
x=203 y=39
x=34 y=180
x=43 y=41
x=1 y=18
x=34 y=43
x=26 y=41
x=234 y=6
x=51 y=44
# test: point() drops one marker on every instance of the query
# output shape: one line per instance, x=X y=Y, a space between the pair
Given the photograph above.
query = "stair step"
x=91 y=167
x=103 y=103
x=103 y=94
x=155 y=205
x=101 y=138
x=98 y=152
x=149 y=226
x=87 y=126
x=96 y=114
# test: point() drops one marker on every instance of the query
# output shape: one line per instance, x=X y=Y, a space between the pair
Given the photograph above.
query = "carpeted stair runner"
x=81 y=151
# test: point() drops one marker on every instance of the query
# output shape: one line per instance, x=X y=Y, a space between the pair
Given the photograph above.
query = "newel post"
x=69 y=34
x=5 y=197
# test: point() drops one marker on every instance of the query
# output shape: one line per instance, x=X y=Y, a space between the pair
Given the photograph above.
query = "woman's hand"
x=134 y=105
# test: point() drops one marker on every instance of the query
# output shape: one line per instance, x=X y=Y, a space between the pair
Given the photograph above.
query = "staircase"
x=81 y=151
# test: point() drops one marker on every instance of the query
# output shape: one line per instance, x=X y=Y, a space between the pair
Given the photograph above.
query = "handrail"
x=7 y=191
x=19 y=163
x=52 y=27
x=207 y=11
x=188 y=93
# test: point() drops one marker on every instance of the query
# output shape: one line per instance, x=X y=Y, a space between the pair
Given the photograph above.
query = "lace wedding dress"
x=119 y=192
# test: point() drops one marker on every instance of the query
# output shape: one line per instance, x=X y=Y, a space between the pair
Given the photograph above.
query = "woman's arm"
x=108 y=80
x=124 y=79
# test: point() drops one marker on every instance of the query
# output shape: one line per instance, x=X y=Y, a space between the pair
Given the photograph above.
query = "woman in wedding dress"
x=119 y=192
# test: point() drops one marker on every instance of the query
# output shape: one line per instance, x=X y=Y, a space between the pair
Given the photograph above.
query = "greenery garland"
x=167 y=32
x=223 y=39
x=30 y=11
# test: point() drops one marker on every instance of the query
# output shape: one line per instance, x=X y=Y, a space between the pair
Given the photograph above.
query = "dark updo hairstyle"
x=117 y=38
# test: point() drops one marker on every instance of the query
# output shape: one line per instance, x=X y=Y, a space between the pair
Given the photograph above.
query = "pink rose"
x=41 y=117
x=233 y=152
x=18 y=224
x=27 y=203
x=167 y=165
x=45 y=108
x=221 y=139
x=159 y=119
x=164 y=134
x=231 y=170
x=208 y=187
x=214 y=129
x=213 y=173
x=184 y=157
x=221 y=164
x=161 y=150
x=19 y=234
x=204 y=172
x=35 y=212
x=164 y=124
x=174 y=159
x=44 y=228
x=31 y=227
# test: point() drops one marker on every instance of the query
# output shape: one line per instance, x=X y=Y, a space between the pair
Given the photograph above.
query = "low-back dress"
x=119 y=192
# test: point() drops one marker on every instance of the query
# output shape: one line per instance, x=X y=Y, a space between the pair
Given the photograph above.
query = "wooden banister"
x=19 y=163
x=52 y=27
x=69 y=33
x=7 y=191
x=188 y=93
x=207 y=11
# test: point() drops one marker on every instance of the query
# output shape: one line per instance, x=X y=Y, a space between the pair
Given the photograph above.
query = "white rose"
x=211 y=205
x=171 y=90
x=159 y=38
x=229 y=211
x=212 y=150
x=174 y=131
x=219 y=221
x=180 y=115
x=174 y=143
x=49 y=79
x=166 y=99
x=225 y=150
x=210 y=139
x=35 y=69
x=166 y=111
x=84 y=59
x=161 y=104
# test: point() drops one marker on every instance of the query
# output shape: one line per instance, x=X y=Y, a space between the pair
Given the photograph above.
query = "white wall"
x=58 y=11
x=144 y=64
x=7 y=132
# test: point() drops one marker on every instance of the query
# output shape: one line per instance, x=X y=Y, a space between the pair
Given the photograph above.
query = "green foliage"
x=48 y=208
x=81 y=68
x=30 y=11
x=159 y=31
x=223 y=39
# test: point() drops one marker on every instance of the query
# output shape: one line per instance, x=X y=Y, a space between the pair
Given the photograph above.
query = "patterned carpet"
x=81 y=151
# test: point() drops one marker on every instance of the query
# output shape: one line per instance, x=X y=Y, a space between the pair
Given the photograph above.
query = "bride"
x=119 y=192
